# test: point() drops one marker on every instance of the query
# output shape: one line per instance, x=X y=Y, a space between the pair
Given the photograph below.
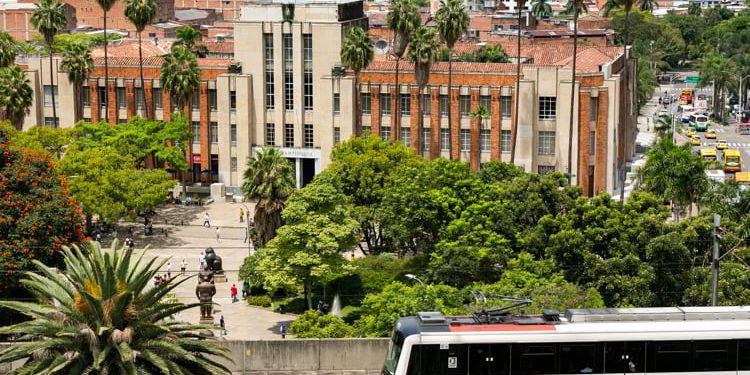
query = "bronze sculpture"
x=213 y=261
x=205 y=291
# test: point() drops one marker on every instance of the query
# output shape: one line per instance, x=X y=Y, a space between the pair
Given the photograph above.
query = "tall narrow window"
x=426 y=104
x=464 y=103
x=484 y=140
x=336 y=135
x=486 y=102
x=405 y=104
x=444 y=105
x=48 y=95
x=195 y=101
x=365 y=103
x=102 y=96
x=505 y=141
x=385 y=104
x=214 y=132
x=405 y=136
x=270 y=135
x=307 y=76
x=156 y=96
x=233 y=133
x=139 y=98
x=233 y=100
x=465 y=140
x=195 y=128
x=85 y=96
x=592 y=142
x=212 y=104
x=445 y=139
x=546 y=143
x=336 y=104
x=505 y=106
x=288 y=73
x=309 y=136
x=268 y=59
x=121 y=98
x=385 y=133
x=426 y=139
x=288 y=135
x=593 y=109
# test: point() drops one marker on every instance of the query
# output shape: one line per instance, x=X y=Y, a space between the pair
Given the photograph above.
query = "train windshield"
x=394 y=351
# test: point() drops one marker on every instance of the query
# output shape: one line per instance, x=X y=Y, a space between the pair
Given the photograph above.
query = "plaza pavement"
x=184 y=237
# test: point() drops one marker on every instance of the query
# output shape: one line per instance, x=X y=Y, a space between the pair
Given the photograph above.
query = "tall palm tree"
x=541 y=9
x=8 y=50
x=269 y=179
x=357 y=53
x=627 y=6
x=102 y=316
x=574 y=7
x=106 y=6
x=15 y=95
x=483 y=115
x=49 y=18
x=422 y=53
x=179 y=75
x=140 y=13
x=189 y=37
x=452 y=22
x=520 y=4
x=77 y=61
x=402 y=19
x=648 y=5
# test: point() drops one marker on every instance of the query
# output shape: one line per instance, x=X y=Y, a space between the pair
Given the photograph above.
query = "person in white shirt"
x=202 y=261
x=183 y=266
x=169 y=270
x=206 y=220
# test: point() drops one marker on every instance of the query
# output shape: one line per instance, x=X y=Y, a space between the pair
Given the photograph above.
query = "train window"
x=744 y=353
x=669 y=356
x=624 y=357
x=535 y=359
x=579 y=359
x=489 y=359
x=453 y=360
x=714 y=355
x=431 y=360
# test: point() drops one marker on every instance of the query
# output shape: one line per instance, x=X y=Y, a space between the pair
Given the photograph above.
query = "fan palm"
x=627 y=6
x=648 y=5
x=77 y=61
x=15 y=95
x=452 y=22
x=357 y=53
x=574 y=7
x=140 y=13
x=520 y=4
x=179 y=75
x=48 y=18
x=106 y=6
x=189 y=37
x=269 y=179
x=101 y=317
x=541 y=8
x=422 y=53
x=8 y=50
x=482 y=114
x=402 y=19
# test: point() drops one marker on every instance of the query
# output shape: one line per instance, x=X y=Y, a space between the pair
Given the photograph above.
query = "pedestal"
x=220 y=278
x=206 y=321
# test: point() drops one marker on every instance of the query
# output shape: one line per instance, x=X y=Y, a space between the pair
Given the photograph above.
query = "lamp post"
x=741 y=106
x=412 y=277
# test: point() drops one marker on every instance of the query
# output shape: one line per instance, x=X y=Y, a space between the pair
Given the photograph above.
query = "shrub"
x=313 y=325
x=290 y=305
x=262 y=301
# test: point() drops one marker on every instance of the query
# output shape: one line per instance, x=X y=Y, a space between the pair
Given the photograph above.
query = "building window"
x=214 y=132
x=288 y=135
x=405 y=104
x=233 y=100
x=465 y=139
x=505 y=106
x=336 y=104
x=139 y=99
x=547 y=107
x=195 y=101
x=122 y=121
x=309 y=136
x=156 y=96
x=365 y=103
x=544 y=169
x=593 y=109
x=445 y=139
x=405 y=136
x=307 y=75
x=546 y=143
x=212 y=103
x=102 y=94
x=486 y=102
x=268 y=58
x=195 y=128
x=270 y=135
x=444 y=105
x=288 y=72
x=592 y=142
x=85 y=96
x=52 y=122
x=484 y=140
x=505 y=141
x=48 y=89
x=385 y=104
x=336 y=135
x=233 y=164
x=426 y=104
x=464 y=104
x=426 y=139
x=385 y=133
x=233 y=134
x=122 y=100
x=366 y=130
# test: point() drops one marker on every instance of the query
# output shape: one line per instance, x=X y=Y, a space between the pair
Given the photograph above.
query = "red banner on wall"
x=196 y=158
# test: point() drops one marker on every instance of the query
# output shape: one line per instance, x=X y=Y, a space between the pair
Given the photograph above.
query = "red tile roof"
x=157 y=62
x=129 y=47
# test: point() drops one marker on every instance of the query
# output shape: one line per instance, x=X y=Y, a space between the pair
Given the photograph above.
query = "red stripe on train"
x=500 y=327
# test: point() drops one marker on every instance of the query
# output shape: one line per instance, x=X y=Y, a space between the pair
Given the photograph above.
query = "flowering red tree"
x=37 y=214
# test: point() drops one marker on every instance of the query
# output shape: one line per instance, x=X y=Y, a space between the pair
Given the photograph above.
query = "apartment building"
x=15 y=18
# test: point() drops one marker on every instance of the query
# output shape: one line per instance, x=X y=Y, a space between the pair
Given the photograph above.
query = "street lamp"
x=741 y=94
x=412 y=277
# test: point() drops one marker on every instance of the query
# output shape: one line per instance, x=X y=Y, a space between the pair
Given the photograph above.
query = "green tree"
x=576 y=8
x=691 y=28
x=482 y=115
x=312 y=325
x=78 y=63
x=15 y=95
x=734 y=285
x=647 y=82
x=694 y=9
x=452 y=22
x=497 y=171
x=179 y=75
x=268 y=179
x=44 y=140
x=357 y=53
x=717 y=68
x=308 y=249
x=487 y=54
x=8 y=50
x=49 y=18
x=422 y=53
x=141 y=13
x=188 y=37
x=541 y=9
x=403 y=19
x=102 y=316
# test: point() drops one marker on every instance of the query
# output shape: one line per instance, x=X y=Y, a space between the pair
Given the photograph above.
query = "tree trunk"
x=308 y=293
x=514 y=131
x=143 y=86
x=450 y=110
x=398 y=93
x=357 y=106
x=52 y=87
x=573 y=96
x=106 y=72
x=77 y=105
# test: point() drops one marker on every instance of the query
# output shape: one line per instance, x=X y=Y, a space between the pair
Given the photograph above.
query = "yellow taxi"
x=695 y=141
x=710 y=134
x=721 y=144
x=690 y=132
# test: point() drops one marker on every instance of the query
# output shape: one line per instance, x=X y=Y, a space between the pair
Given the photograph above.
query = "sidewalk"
x=645 y=138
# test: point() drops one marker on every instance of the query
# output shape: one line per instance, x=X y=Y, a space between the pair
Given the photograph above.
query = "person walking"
x=218 y=235
x=202 y=261
x=242 y=215
x=206 y=220
x=183 y=266
x=169 y=270
x=282 y=330
x=223 y=326
x=233 y=293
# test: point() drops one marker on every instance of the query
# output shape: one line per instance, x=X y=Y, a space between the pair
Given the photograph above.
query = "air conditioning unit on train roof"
x=657 y=314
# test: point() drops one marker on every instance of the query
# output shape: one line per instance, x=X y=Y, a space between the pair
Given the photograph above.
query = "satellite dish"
x=381 y=47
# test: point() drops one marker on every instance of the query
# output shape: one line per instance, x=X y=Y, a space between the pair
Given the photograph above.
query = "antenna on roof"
x=500 y=314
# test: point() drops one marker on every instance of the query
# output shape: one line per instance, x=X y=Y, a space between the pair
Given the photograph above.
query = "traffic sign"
x=692 y=79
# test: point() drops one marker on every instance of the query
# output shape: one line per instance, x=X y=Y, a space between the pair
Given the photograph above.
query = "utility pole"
x=715 y=263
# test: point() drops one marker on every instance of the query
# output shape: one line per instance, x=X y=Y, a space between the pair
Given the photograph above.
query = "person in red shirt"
x=233 y=292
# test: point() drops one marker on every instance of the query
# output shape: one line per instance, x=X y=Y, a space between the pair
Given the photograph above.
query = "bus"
x=674 y=340
x=732 y=161
x=699 y=122
x=709 y=157
x=686 y=96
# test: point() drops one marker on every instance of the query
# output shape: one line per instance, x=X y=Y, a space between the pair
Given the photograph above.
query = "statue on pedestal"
x=214 y=264
x=205 y=291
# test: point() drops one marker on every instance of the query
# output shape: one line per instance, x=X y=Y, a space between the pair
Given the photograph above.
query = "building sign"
x=296 y=153
x=196 y=158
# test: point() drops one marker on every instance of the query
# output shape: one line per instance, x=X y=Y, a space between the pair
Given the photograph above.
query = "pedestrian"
x=157 y=280
x=218 y=236
x=247 y=235
x=282 y=330
x=245 y=289
x=183 y=266
x=233 y=293
x=206 y=220
x=202 y=261
x=169 y=270
x=223 y=326
x=130 y=231
x=242 y=215
x=98 y=236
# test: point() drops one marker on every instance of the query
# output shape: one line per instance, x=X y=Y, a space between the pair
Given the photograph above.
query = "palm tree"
x=357 y=53
x=402 y=19
x=101 y=316
x=482 y=114
x=189 y=37
x=541 y=9
x=179 y=75
x=77 y=61
x=106 y=6
x=648 y=5
x=452 y=22
x=140 y=13
x=520 y=4
x=574 y=7
x=8 y=50
x=718 y=69
x=269 y=179
x=15 y=95
x=422 y=53
x=627 y=6
x=49 y=18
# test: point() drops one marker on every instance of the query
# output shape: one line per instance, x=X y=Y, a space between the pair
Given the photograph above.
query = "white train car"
x=675 y=340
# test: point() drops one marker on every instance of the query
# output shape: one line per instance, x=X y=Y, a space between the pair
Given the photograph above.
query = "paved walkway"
x=187 y=241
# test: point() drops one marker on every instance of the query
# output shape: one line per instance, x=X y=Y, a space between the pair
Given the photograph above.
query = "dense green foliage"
x=313 y=325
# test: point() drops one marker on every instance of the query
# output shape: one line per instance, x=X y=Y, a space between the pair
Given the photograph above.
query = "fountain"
x=336 y=306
